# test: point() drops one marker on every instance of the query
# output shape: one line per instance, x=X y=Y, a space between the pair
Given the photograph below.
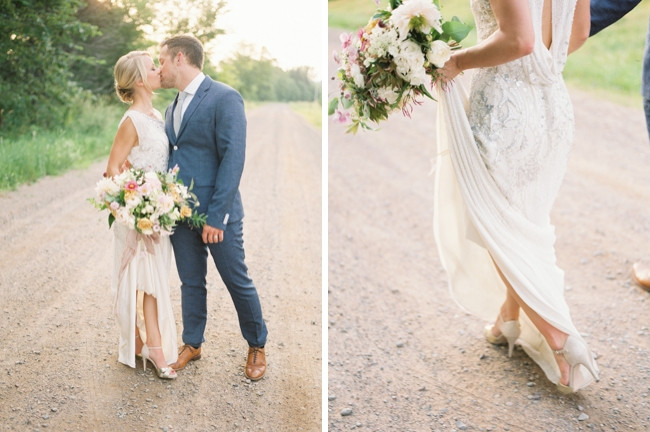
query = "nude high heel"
x=576 y=353
x=510 y=331
x=164 y=372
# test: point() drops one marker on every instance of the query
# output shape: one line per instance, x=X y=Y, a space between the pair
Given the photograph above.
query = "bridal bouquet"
x=146 y=201
x=388 y=64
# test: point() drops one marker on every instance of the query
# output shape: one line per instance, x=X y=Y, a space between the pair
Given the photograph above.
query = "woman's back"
x=521 y=113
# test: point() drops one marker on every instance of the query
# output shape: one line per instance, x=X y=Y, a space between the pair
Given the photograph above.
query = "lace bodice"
x=520 y=111
x=152 y=151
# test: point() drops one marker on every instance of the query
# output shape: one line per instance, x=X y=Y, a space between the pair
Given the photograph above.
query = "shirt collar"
x=193 y=86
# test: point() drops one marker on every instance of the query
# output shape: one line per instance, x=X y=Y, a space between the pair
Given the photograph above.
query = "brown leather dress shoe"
x=185 y=355
x=642 y=276
x=255 y=364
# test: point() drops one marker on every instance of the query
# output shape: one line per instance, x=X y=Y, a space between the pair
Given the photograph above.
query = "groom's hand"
x=212 y=234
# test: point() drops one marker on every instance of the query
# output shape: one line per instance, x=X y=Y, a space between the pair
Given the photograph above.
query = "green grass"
x=26 y=157
x=30 y=156
x=312 y=111
x=608 y=65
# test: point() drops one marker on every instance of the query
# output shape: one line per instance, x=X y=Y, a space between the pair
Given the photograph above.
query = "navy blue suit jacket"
x=210 y=150
x=606 y=12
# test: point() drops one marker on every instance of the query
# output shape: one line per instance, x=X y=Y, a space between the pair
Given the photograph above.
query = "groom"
x=206 y=127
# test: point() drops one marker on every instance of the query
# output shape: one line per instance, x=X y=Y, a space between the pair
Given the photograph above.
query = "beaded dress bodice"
x=521 y=114
x=152 y=151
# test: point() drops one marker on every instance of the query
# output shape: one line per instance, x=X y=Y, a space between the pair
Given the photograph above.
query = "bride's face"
x=153 y=73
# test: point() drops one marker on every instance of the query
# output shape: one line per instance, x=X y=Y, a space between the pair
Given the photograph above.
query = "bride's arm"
x=581 y=25
x=513 y=39
x=125 y=139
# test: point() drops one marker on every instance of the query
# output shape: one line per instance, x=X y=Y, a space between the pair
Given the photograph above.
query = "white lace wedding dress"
x=502 y=156
x=146 y=272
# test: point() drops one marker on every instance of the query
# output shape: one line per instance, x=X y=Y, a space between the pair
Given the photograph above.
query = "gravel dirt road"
x=58 y=355
x=404 y=357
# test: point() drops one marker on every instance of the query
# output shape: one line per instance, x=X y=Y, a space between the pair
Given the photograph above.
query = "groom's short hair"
x=187 y=44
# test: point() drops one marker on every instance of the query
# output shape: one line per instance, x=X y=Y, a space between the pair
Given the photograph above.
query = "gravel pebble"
x=583 y=417
x=346 y=412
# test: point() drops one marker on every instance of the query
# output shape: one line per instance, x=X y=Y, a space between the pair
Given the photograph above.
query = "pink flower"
x=342 y=116
x=114 y=205
x=131 y=185
x=377 y=2
x=336 y=57
x=346 y=40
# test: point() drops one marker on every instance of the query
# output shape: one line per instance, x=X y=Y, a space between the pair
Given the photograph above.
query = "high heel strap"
x=576 y=353
x=164 y=372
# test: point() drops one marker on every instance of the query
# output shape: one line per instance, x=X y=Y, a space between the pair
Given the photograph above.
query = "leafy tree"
x=118 y=32
x=261 y=79
x=196 y=17
x=39 y=44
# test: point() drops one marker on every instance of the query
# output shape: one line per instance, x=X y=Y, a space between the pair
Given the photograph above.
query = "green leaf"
x=353 y=128
x=426 y=92
x=331 y=107
x=456 y=29
x=381 y=14
x=111 y=219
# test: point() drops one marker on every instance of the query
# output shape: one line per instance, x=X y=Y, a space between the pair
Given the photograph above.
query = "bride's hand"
x=449 y=71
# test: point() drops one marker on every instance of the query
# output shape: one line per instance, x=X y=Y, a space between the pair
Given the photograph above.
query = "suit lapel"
x=169 y=122
x=196 y=101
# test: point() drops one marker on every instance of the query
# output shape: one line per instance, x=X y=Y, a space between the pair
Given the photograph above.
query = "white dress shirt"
x=191 y=89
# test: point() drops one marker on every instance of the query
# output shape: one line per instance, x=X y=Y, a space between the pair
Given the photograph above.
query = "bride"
x=500 y=167
x=141 y=289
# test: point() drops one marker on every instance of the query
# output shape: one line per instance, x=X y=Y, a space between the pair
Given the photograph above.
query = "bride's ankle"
x=556 y=340
x=508 y=313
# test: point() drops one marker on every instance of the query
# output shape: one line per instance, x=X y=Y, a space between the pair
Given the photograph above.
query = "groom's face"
x=168 y=70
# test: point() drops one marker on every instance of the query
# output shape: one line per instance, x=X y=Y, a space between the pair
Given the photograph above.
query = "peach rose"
x=145 y=226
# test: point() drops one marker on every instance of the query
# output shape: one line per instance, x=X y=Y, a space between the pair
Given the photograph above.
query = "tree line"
x=55 y=53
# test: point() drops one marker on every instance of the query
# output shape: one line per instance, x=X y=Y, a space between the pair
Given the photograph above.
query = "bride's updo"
x=130 y=69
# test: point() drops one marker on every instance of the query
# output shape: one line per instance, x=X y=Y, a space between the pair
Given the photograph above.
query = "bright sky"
x=290 y=30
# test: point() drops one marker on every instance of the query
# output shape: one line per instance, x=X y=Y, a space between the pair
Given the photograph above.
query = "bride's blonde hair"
x=128 y=70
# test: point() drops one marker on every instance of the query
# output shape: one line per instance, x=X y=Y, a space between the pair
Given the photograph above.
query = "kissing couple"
x=203 y=133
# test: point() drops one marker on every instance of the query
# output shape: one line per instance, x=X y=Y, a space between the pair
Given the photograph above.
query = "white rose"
x=152 y=179
x=401 y=17
x=106 y=186
x=166 y=203
x=133 y=201
x=125 y=217
x=439 y=53
x=410 y=63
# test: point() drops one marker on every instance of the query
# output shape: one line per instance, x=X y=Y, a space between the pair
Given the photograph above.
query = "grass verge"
x=30 y=156
x=312 y=111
